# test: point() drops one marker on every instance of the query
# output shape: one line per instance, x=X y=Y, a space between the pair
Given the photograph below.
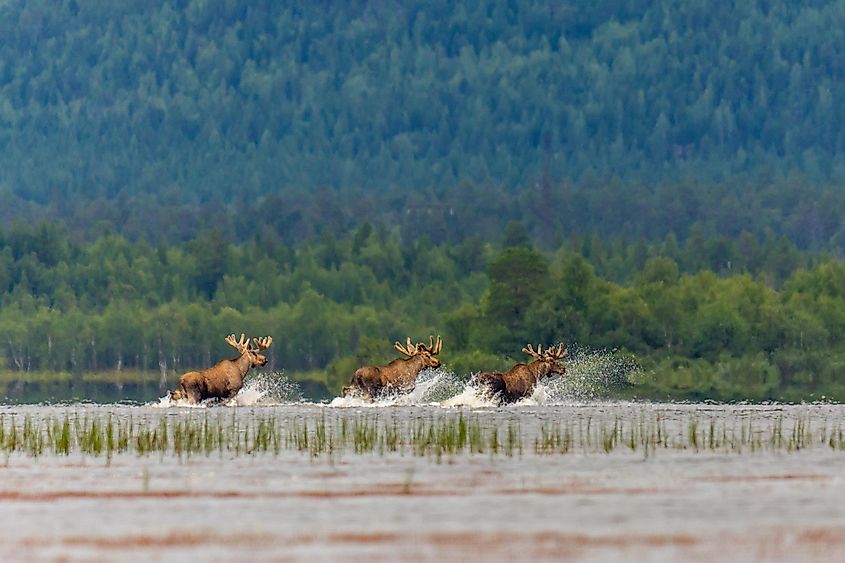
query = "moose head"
x=550 y=358
x=252 y=354
x=425 y=353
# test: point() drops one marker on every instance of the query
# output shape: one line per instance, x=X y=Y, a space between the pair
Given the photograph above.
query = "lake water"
x=437 y=475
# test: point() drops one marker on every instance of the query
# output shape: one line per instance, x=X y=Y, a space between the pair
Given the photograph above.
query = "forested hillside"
x=628 y=118
x=662 y=178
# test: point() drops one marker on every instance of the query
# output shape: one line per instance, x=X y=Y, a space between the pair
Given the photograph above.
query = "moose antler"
x=263 y=343
x=557 y=353
x=551 y=353
x=409 y=349
x=239 y=345
x=530 y=351
x=433 y=347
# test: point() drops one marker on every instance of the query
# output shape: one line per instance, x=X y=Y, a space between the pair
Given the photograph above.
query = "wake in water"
x=260 y=389
x=590 y=374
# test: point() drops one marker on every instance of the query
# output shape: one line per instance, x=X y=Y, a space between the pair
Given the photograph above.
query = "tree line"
x=769 y=326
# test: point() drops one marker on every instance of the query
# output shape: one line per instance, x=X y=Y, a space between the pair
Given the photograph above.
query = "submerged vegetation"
x=331 y=435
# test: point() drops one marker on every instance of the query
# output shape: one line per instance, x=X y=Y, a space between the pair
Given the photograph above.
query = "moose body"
x=399 y=375
x=519 y=381
x=226 y=378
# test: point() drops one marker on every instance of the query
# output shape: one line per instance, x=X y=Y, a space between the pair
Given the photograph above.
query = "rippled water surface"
x=438 y=475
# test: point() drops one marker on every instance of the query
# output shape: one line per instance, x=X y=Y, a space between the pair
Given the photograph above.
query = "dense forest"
x=770 y=326
x=657 y=178
x=626 y=118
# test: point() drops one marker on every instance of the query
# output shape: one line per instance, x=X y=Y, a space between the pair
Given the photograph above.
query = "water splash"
x=590 y=374
x=267 y=388
x=433 y=386
x=166 y=402
x=472 y=397
x=260 y=388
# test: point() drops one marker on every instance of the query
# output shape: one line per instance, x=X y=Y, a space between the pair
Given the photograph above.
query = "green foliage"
x=518 y=277
x=387 y=172
x=333 y=304
x=468 y=363
x=516 y=235
x=751 y=377
x=164 y=120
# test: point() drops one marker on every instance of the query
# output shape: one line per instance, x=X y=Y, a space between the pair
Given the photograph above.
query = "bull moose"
x=520 y=380
x=400 y=374
x=225 y=379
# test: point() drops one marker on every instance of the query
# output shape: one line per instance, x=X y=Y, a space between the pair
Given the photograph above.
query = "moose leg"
x=191 y=388
x=368 y=390
x=353 y=391
x=364 y=383
x=490 y=383
x=512 y=397
x=354 y=387
x=194 y=394
x=191 y=393
x=195 y=387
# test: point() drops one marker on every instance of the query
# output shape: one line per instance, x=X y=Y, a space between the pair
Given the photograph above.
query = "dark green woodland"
x=662 y=179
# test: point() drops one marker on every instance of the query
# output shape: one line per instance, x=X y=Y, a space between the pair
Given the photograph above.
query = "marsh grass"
x=105 y=435
x=436 y=436
x=736 y=435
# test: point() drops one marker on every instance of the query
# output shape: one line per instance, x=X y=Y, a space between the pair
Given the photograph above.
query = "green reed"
x=436 y=436
x=104 y=435
x=735 y=435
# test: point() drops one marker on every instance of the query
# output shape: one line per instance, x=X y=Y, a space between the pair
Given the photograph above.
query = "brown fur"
x=399 y=375
x=222 y=381
x=519 y=381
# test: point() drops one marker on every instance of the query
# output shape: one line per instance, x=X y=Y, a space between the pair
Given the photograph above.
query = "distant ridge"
x=111 y=110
